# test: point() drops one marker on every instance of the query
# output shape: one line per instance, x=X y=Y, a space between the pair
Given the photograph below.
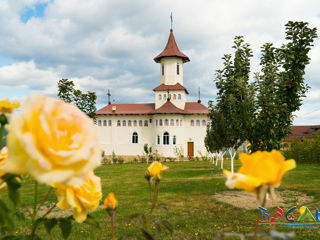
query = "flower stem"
x=257 y=226
x=45 y=198
x=112 y=227
x=34 y=213
x=150 y=191
x=153 y=204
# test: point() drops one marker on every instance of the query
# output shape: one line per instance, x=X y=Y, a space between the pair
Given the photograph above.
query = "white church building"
x=168 y=123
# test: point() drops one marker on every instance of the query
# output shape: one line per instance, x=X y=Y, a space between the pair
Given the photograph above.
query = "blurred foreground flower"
x=3 y=159
x=110 y=204
x=155 y=170
x=80 y=199
x=53 y=141
x=260 y=172
x=7 y=107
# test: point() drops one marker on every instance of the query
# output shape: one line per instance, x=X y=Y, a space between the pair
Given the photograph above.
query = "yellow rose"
x=53 y=141
x=80 y=199
x=3 y=159
x=259 y=169
x=110 y=202
x=156 y=169
x=7 y=107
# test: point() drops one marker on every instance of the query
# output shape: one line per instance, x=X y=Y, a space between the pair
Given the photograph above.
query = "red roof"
x=300 y=132
x=149 y=109
x=164 y=87
x=171 y=50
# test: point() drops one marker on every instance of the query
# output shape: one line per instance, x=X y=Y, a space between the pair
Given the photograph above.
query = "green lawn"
x=187 y=188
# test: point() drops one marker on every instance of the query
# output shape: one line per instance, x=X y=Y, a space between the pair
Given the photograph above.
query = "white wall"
x=170 y=76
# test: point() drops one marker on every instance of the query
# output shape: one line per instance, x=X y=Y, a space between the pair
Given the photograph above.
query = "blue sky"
x=110 y=44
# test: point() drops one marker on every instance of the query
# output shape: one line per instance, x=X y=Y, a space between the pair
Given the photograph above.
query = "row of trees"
x=86 y=102
x=261 y=111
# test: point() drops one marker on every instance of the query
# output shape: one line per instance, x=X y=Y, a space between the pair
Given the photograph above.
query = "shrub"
x=306 y=151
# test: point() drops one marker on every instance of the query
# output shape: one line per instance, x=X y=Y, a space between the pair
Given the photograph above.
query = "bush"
x=306 y=151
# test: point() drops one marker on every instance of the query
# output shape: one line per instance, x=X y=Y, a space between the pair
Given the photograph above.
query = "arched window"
x=135 y=137
x=177 y=122
x=99 y=122
x=204 y=123
x=174 y=140
x=124 y=123
x=157 y=122
x=166 y=122
x=162 y=69
x=178 y=69
x=159 y=96
x=110 y=123
x=140 y=123
x=129 y=123
x=135 y=123
x=119 y=123
x=180 y=122
x=198 y=123
x=166 y=138
x=160 y=122
x=179 y=96
x=164 y=96
x=192 y=123
x=104 y=123
x=146 y=123
x=171 y=122
x=174 y=96
x=158 y=140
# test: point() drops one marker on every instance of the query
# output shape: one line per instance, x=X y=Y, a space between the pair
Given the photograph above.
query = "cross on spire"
x=109 y=95
x=171 y=19
x=199 y=100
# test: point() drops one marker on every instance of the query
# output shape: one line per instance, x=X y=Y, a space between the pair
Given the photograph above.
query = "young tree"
x=86 y=102
x=280 y=86
x=234 y=103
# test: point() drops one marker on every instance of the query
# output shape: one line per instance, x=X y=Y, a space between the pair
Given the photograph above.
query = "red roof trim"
x=164 y=87
x=149 y=109
x=171 y=50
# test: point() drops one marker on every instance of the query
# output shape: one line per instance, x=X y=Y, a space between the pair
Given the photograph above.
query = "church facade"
x=169 y=124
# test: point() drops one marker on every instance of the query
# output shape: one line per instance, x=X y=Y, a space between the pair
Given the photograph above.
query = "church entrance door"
x=190 y=149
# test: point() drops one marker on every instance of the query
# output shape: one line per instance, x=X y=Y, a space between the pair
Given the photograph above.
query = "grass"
x=187 y=189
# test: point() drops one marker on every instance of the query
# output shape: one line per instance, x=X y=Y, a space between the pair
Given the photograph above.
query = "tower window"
x=119 y=123
x=146 y=123
x=140 y=123
x=164 y=96
x=204 y=123
x=129 y=123
x=177 y=122
x=124 y=123
x=174 y=96
x=104 y=123
x=178 y=69
x=158 y=140
x=157 y=122
x=166 y=138
x=135 y=123
x=160 y=122
x=171 y=122
x=166 y=122
x=174 y=140
x=159 y=96
x=162 y=69
x=179 y=96
x=198 y=122
x=192 y=123
x=135 y=137
x=110 y=123
x=99 y=122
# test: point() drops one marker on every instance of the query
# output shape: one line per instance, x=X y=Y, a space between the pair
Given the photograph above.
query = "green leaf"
x=168 y=226
x=13 y=187
x=65 y=226
x=147 y=235
x=49 y=224
x=92 y=221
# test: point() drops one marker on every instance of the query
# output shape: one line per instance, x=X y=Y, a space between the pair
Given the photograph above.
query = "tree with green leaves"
x=262 y=112
x=86 y=102
x=280 y=87
x=234 y=103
